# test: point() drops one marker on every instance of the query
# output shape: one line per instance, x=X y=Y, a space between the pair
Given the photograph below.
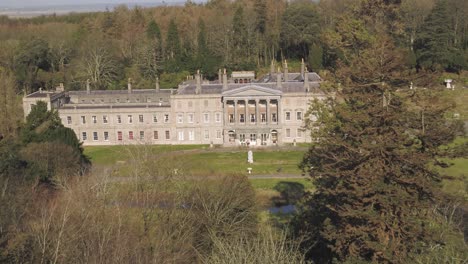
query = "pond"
x=283 y=209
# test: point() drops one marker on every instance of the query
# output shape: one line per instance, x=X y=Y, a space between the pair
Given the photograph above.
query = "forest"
x=172 y=42
x=377 y=194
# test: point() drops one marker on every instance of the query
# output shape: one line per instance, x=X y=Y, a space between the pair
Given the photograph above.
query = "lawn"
x=109 y=155
x=201 y=160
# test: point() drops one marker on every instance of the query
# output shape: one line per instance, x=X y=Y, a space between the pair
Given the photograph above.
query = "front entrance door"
x=264 y=139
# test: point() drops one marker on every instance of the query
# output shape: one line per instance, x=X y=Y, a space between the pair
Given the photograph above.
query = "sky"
x=38 y=3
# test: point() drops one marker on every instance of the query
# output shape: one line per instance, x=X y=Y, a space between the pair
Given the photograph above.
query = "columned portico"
x=252 y=116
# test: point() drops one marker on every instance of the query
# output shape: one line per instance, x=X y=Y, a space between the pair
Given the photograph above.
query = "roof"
x=287 y=87
x=117 y=92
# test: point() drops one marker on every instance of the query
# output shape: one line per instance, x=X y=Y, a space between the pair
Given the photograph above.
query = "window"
x=140 y=118
x=231 y=118
x=180 y=118
x=206 y=117
x=117 y=100
x=298 y=115
x=119 y=135
x=142 y=135
x=130 y=134
x=252 y=118
x=69 y=120
x=288 y=132
x=242 y=118
x=263 y=117
x=273 y=117
x=218 y=117
x=218 y=134
x=242 y=137
x=155 y=135
x=130 y=119
x=119 y=119
x=191 y=135
x=206 y=134
x=299 y=132
x=83 y=119
x=84 y=136
x=106 y=136
x=104 y=119
x=94 y=119
x=95 y=136
x=253 y=137
x=155 y=118
x=181 y=135
x=190 y=118
x=168 y=134
x=288 y=116
x=166 y=118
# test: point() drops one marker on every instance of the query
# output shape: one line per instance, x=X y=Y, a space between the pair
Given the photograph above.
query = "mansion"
x=234 y=111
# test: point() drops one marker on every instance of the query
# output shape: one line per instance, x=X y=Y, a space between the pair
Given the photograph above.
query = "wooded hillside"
x=171 y=42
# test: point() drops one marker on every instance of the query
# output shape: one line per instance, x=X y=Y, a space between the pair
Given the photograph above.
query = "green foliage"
x=49 y=147
x=434 y=45
x=299 y=29
x=39 y=123
x=173 y=46
x=374 y=190
x=260 y=10
x=32 y=55
x=172 y=80
x=315 y=57
x=239 y=32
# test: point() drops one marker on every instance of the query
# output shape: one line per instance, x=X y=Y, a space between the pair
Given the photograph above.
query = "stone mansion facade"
x=230 y=112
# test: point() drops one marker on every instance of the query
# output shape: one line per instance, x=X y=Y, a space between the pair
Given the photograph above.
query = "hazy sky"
x=29 y=3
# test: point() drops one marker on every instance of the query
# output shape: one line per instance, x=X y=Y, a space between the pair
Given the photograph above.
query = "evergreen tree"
x=239 y=35
x=374 y=190
x=150 y=58
x=153 y=33
x=434 y=45
x=173 y=47
x=201 y=39
x=260 y=9
x=299 y=29
x=44 y=128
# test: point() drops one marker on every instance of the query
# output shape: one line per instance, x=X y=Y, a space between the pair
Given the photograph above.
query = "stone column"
x=226 y=112
x=246 y=117
x=257 y=111
x=278 y=112
x=235 y=112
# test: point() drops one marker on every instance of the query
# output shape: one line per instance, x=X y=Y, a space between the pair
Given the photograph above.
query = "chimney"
x=220 y=80
x=225 y=81
x=129 y=85
x=88 y=88
x=198 y=81
x=285 y=71
x=306 y=81
x=278 y=78
x=302 y=68
x=157 y=84
x=60 y=88
x=272 y=67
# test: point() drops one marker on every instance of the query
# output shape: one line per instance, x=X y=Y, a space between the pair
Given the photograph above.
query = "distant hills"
x=32 y=11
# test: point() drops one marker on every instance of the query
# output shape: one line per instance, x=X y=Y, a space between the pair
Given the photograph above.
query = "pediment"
x=252 y=90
